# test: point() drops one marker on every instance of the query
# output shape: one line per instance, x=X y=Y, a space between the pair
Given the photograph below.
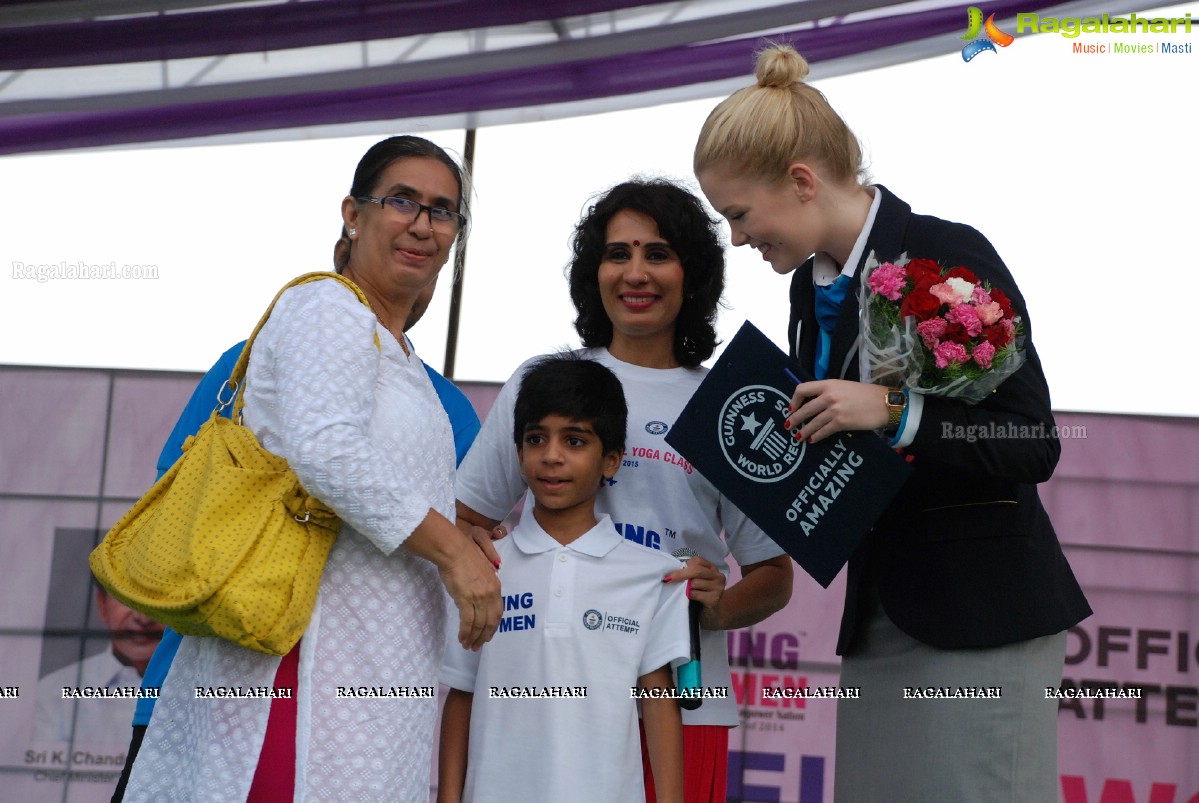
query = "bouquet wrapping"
x=936 y=330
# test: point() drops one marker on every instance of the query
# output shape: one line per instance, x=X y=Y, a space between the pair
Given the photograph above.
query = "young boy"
x=546 y=710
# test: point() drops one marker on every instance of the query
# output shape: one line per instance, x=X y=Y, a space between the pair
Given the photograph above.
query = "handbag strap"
x=235 y=384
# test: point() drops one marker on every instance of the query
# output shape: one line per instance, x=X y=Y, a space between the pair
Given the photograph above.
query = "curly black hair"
x=694 y=236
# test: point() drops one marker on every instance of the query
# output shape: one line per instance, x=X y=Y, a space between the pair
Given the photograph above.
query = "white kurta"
x=365 y=433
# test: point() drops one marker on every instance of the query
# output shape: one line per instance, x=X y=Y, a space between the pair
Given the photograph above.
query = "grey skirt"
x=947 y=725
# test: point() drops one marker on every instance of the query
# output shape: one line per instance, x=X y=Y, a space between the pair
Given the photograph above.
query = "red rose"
x=925 y=281
x=920 y=303
x=918 y=268
x=996 y=335
x=962 y=273
x=1005 y=303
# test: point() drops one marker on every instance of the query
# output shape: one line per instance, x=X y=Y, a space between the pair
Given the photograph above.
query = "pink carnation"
x=980 y=296
x=949 y=353
x=945 y=294
x=1009 y=328
x=965 y=315
x=984 y=352
x=888 y=280
x=930 y=331
x=989 y=313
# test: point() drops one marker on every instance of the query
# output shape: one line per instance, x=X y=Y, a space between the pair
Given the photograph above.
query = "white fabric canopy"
x=92 y=74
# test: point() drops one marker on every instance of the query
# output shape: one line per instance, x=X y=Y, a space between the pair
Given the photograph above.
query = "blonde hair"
x=760 y=130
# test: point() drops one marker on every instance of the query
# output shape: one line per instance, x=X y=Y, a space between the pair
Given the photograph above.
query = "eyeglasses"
x=410 y=210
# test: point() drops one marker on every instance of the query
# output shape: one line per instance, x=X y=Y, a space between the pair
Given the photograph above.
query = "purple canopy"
x=233 y=68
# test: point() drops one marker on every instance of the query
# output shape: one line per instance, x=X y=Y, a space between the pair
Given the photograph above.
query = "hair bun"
x=780 y=65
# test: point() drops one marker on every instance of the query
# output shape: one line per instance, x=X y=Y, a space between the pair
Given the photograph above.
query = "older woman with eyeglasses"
x=335 y=388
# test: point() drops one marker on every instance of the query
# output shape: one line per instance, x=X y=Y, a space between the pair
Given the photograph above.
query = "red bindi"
x=636 y=243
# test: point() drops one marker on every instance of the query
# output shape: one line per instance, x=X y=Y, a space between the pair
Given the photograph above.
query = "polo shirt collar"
x=601 y=539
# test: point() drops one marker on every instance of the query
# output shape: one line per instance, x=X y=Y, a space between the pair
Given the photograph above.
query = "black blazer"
x=965 y=556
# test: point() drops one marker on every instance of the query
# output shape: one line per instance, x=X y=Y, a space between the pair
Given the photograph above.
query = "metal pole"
x=451 y=336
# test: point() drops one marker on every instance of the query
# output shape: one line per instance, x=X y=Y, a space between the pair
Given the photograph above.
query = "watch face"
x=896 y=398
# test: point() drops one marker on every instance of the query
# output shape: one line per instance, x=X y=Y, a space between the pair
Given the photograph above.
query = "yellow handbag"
x=226 y=543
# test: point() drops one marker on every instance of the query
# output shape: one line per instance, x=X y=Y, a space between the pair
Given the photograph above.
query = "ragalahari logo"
x=974 y=17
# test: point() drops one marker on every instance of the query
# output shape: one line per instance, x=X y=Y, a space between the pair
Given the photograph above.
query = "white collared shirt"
x=593 y=614
x=825 y=271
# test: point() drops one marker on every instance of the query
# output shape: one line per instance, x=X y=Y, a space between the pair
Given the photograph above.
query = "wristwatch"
x=896 y=401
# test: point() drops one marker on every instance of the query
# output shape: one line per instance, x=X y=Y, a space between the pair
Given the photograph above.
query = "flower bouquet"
x=939 y=331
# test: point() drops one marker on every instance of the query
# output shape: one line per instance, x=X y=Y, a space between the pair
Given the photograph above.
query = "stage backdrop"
x=78 y=446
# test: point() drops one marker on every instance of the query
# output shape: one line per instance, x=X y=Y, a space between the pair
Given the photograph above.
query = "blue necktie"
x=828 y=305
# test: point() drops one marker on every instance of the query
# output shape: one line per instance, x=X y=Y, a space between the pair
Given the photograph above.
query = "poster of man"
x=90 y=701
x=75 y=659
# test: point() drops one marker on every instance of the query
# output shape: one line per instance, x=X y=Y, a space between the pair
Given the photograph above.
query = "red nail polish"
x=797 y=436
x=496 y=564
x=666 y=579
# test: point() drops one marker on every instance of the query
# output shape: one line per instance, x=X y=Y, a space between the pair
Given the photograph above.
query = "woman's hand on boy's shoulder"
x=482 y=531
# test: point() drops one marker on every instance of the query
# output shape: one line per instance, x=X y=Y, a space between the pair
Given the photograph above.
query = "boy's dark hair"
x=576 y=388
x=695 y=237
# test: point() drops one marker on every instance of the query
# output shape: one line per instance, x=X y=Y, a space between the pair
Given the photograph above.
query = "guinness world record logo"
x=763 y=448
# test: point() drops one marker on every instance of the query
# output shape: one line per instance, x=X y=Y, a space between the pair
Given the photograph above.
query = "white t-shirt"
x=581 y=624
x=655 y=499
